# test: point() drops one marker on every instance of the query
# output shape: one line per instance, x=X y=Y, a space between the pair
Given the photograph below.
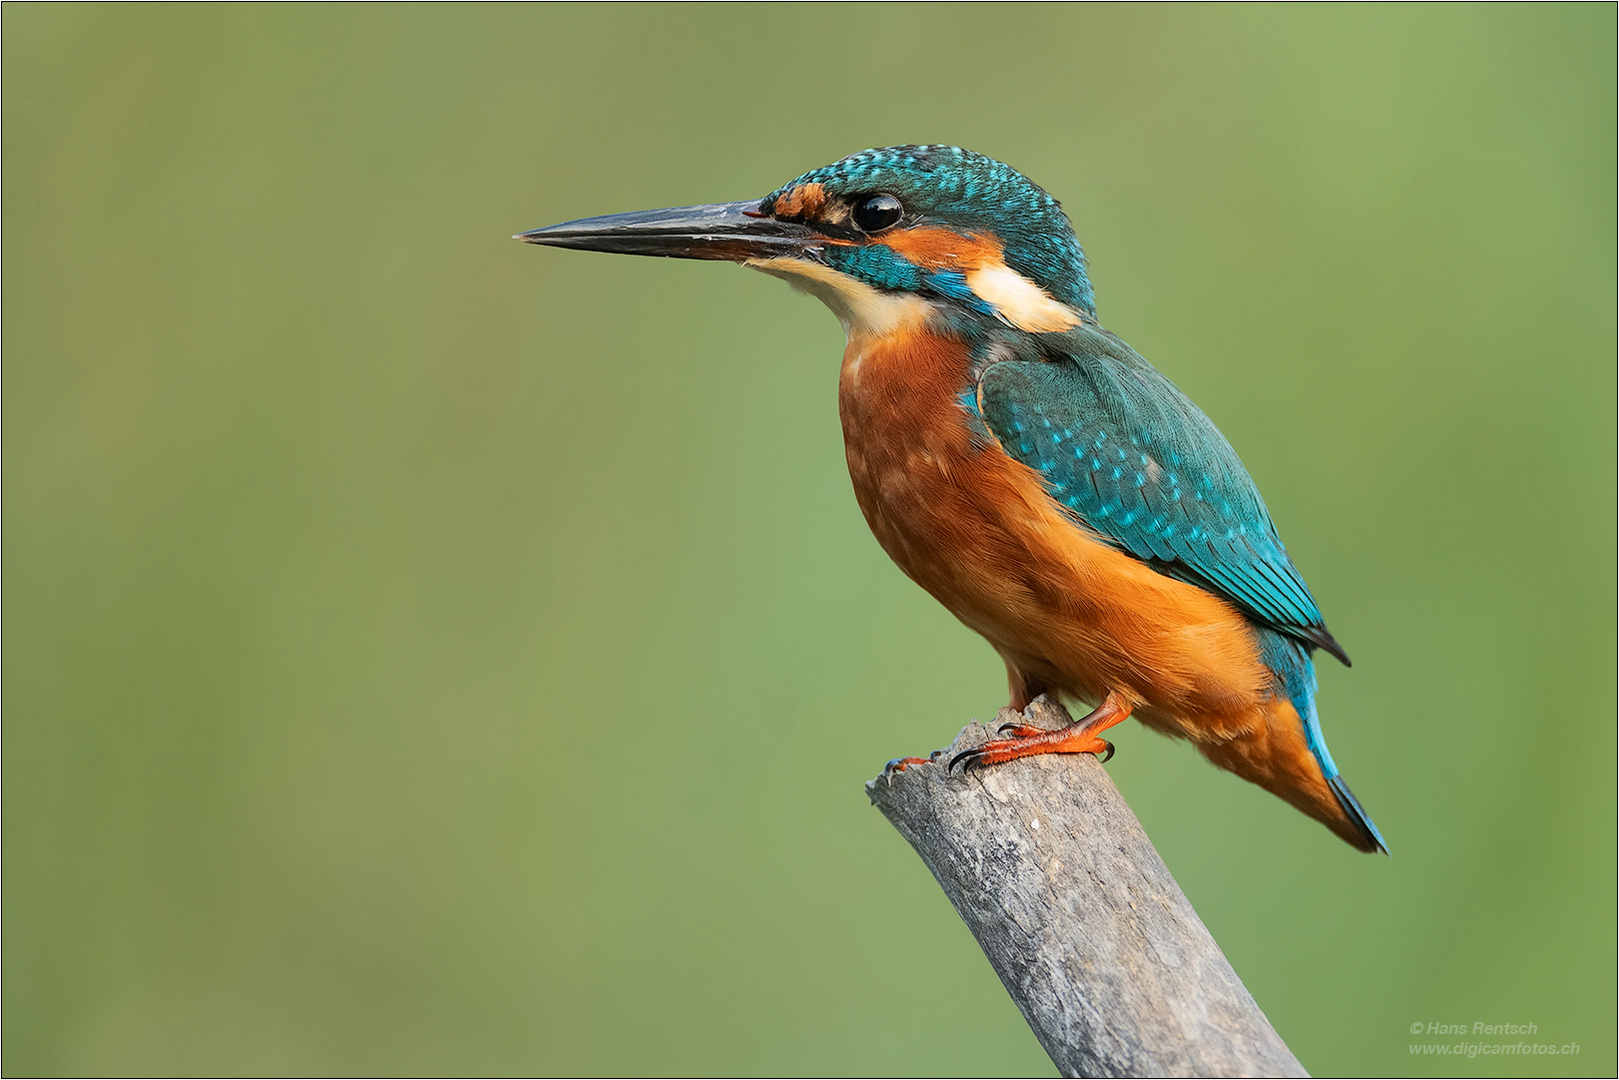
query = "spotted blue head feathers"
x=954 y=189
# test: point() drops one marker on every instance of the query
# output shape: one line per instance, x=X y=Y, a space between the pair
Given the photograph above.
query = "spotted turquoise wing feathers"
x=1136 y=462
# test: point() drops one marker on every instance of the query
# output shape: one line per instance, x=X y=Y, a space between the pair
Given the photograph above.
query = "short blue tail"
x=1290 y=660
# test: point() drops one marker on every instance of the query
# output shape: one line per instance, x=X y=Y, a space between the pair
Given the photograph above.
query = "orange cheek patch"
x=941 y=249
x=803 y=201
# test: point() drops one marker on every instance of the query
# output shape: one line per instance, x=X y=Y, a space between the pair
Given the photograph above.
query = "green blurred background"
x=427 y=653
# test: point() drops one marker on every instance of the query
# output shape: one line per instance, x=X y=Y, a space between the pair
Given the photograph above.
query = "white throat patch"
x=863 y=310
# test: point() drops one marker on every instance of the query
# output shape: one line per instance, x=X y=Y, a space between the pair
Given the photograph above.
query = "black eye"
x=875 y=213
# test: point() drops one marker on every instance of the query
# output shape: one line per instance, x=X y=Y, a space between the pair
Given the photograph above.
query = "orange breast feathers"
x=978 y=531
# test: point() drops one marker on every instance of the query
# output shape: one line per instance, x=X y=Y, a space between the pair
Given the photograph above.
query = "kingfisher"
x=1030 y=470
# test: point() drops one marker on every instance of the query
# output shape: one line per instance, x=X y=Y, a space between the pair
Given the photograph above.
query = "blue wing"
x=1134 y=460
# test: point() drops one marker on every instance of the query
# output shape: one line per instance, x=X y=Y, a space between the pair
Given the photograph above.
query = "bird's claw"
x=900 y=764
x=1008 y=749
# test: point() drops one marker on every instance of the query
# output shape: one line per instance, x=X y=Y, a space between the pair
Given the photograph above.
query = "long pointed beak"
x=732 y=231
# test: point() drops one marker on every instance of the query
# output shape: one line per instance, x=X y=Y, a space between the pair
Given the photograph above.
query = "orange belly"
x=977 y=530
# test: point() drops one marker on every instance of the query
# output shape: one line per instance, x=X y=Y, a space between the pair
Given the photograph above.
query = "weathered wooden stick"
x=1078 y=915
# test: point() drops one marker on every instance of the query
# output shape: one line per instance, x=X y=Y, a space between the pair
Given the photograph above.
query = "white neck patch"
x=1020 y=301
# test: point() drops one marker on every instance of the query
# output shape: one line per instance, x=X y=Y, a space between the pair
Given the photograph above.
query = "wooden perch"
x=1078 y=915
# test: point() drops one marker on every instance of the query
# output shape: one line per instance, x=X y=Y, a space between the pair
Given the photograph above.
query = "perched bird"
x=1029 y=470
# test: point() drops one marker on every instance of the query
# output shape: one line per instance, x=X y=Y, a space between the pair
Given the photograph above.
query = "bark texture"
x=1081 y=919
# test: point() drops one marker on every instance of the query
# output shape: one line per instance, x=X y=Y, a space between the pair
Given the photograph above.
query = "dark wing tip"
x=1320 y=637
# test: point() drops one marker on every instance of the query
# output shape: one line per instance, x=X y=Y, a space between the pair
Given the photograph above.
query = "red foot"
x=1081 y=737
